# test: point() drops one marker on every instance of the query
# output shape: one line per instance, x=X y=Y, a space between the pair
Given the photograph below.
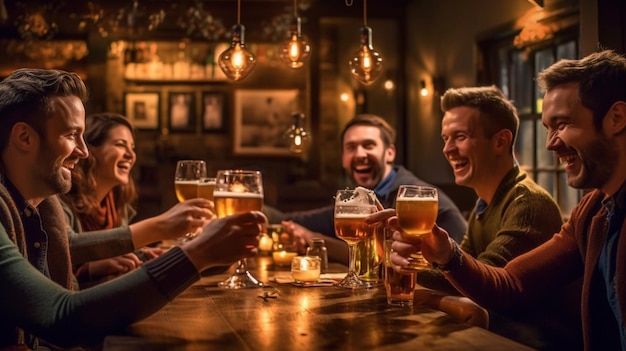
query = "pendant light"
x=366 y=65
x=237 y=61
x=298 y=138
x=296 y=50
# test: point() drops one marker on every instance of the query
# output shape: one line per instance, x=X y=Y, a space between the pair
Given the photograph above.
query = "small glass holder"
x=306 y=269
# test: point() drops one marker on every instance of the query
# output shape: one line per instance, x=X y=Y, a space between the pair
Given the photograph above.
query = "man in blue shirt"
x=368 y=152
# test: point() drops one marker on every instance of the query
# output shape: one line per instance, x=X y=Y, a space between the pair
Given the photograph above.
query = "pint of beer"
x=206 y=187
x=416 y=209
x=186 y=189
x=230 y=203
x=351 y=227
x=416 y=215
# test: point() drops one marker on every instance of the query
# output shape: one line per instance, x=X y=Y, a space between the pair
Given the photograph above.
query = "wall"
x=442 y=43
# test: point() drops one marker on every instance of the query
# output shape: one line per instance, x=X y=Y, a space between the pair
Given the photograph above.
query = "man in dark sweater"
x=42 y=119
x=368 y=153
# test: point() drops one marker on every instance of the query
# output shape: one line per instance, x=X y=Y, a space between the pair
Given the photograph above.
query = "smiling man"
x=42 y=120
x=584 y=112
x=513 y=214
x=368 y=153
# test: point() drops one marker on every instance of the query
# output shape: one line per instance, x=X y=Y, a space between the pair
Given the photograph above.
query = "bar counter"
x=290 y=317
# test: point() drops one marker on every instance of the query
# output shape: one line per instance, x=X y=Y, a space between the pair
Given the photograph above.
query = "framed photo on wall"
x=262 y=117
x=142 y=109
x=182 y=112
x=213 y=111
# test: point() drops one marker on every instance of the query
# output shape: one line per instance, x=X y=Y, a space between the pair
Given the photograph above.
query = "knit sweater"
x=569 y=255
x=520 y=217
x=36 y=306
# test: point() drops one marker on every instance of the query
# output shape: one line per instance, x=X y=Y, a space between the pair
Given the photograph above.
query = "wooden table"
x=206 y=318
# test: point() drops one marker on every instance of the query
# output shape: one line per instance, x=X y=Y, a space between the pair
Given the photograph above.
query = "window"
x=514 y=72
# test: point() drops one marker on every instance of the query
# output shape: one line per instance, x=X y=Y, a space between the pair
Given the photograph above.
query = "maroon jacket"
x=569 y=255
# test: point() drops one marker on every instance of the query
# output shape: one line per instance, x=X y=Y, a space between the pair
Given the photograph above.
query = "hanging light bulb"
x=298 y=138
x=366 y=64
x=296 y=50
x=237 y=61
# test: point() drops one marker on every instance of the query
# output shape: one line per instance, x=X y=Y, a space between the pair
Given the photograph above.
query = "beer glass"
x=186 y=179
x=238 y=191
x=399 y=286
x=206 y=187
x=188 y=174
x=351 y=209
x=416 y=209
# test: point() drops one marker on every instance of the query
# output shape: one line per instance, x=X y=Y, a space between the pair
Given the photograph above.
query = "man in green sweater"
x=42 y=119
x=512 y=215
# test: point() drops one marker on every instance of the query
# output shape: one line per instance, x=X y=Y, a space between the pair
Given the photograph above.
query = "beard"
x=598 y=163
x=56 y=179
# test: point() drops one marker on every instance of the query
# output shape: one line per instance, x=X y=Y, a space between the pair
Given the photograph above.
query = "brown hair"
x=601 y=79
x=82 y=195
x=496 y=111
x=387 y=133
x=25 y=97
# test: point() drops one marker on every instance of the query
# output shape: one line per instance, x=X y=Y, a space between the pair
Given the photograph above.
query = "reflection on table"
x=290 y=317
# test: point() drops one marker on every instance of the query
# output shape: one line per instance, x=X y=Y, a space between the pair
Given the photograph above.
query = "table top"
x=206 y=317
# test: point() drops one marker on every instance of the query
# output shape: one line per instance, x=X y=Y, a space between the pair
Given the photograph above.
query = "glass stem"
x=352 y=257
x=242 y=266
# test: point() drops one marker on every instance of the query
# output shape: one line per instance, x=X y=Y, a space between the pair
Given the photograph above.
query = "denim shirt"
x=36 y=236
x=607 y=264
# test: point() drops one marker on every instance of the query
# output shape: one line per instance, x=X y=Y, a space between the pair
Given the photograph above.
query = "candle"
x=265 y=243
x=283 y=258
x=305 y=268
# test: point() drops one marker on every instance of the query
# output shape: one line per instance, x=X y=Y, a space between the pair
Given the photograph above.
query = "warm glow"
x=367 y=64
x=389 y=86
x=297 y=140
x=424 y=92
x=344 y=97
x=367 y=61
x=294 y=50
x=237 y=57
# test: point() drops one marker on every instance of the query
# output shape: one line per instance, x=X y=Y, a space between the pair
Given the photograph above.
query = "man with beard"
x=42 y=119
x=584 y=111
x=368 y=154
x=513 y=214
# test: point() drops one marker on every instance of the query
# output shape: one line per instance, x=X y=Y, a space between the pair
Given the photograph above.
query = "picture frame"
x=181 y=111
x=261 y=119
x=142 y=109
x=214 y=110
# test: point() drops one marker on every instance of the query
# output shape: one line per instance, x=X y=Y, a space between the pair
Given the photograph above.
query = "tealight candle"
x=265 y=243
x=305 y=268
x=283 y=258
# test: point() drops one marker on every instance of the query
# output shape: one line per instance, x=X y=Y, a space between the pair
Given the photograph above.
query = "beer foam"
x=352 y=215
x=362 y=196
x=190 y=182
x=432 y=198
x=237 y=195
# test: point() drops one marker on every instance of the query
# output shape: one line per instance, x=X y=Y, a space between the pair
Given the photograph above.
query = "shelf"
x=176 y=81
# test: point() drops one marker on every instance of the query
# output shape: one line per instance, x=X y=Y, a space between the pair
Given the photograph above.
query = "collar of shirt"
x=36 y=236
x=384 y=187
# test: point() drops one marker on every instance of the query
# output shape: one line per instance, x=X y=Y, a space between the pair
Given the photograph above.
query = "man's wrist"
x=455 y=261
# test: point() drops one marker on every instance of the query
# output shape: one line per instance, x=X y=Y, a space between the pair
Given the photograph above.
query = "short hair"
x=495 y=110
x=81 y=198
x=601 y=79
x=387 y=133
x=25 y=97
